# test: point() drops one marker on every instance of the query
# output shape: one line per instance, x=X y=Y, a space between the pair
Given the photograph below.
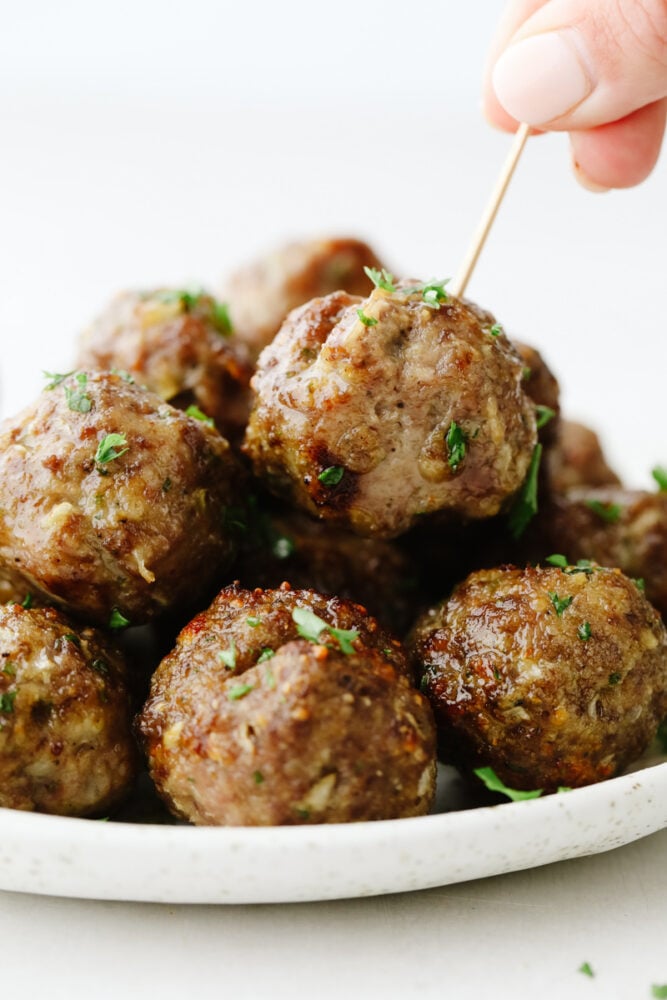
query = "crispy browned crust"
x=177 y=350
x=577 y=459
x=65 y=740
x=309 y=736
x=262 y=294
x=377 y=402
x=515 y=687
x=141 y=533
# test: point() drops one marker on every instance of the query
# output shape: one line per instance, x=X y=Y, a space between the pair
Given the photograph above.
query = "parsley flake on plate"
x=586 y=970
x=494 y=784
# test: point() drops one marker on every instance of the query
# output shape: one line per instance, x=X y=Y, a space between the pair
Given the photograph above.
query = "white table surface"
x=98 y=193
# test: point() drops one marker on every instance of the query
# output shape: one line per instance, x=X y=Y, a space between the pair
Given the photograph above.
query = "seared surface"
x=517 y=686
x=140 y=532
x=377 y=404
x=540 y=384
x=65 y=740
x=178 y=345
x=312 y=736
x=262 y=294
x=577 y=459
x=615 y=527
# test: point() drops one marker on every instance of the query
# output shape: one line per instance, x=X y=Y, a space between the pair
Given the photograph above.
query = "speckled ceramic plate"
x=178 y=864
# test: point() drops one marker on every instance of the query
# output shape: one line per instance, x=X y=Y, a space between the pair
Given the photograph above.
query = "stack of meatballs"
x=283 y=549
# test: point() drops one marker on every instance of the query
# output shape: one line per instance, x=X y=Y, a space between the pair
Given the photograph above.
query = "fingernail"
x=586 y=182
x=542 y=78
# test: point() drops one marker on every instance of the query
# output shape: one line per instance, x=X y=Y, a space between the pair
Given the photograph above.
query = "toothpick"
x=459 y=285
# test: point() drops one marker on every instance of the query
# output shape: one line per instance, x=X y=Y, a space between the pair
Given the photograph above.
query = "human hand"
x=594 y=68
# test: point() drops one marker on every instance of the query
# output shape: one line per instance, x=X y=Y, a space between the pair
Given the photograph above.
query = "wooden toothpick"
x=460 y=283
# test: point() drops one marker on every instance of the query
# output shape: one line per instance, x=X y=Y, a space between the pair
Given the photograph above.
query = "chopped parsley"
x=586 y=970
x=366 y=320
x=27 y=601
x=526 y=373
x=660 y=476
x=197 y=414
x=55 y=378
x=494 y=784
x=560 y=604
x=77 y=399
x=9 y=669
x=258 y=777
x=332 y=476
x=543 y=415
x=456 y=441
x=639 y=583
x=121 y=373
x=432 y=292
x=660 y=992
x=221 y=318
x=282 y=547
x=107 y=449
x=583 y=566
x=310 y=627
x=495 y=330
x=228 y=656
x=166 y=486
x=240 y=691
x=609 y=512
x=525 y=506
x=252 y=621
x=7 y=699
x=265 y=655
x=584 y=631
x=614 y=678
x=381 y=279
x=557 y=560
x=100 y=667
x=118 y=620
x=270 y=678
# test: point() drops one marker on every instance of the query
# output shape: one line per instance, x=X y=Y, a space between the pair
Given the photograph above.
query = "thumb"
x=577 y=64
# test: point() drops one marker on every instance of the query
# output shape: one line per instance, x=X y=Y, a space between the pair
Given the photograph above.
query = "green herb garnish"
x=557 y=560
x=240 y=691
x=659 y=991
x=584 y=631
x=609 y=512
x=432 y=292
x=258 y=777
x=27 y=601
x=366 y=320
x=586 y=970
x=9 y=669
x=525 y=506
x=456 y=441
x=381 y=279
x=310 y=627
x=221 y=318
x=659 y=473
x=107 y=448
x=332 y=476
x=543 y=415
x=228 y=656
x=639 y=583
x=77 y=399
x=494 y=784
x=560 y=604
x=197 y=414
x=265 y=655
x=614 y=678
x=7 y=699
x=118 y=620
x=55 y=378
x=252 y=621
x=100 y=667
x=495 y=330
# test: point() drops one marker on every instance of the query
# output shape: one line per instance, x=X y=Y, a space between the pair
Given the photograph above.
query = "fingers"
x=514 y=16
x=622 y=153
x=579 y=64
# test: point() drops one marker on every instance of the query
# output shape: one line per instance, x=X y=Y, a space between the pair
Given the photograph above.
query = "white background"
x=146 y=142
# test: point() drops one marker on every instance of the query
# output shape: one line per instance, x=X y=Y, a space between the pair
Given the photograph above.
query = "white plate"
x=177 y=864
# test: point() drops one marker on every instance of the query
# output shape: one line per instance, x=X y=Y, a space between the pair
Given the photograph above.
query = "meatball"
x=551 y=676
x=614 y=527
x=372 y=413
x=541 y=385
x=65 y=739
x=322 y=729
x=113 y=504
x=178 y=344
x=577 y=459
x=261 y=295
x=288 y=545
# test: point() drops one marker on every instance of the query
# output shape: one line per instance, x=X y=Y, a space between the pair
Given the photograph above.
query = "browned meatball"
x=541 y=385
x=319 y=731
x=552 y=677
x=374 y=426
x=178 y=344
x=577 y=459
x=65 y=740
x=288 y=545
x=614 y=527
x=261 y=295
x=112 y=499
